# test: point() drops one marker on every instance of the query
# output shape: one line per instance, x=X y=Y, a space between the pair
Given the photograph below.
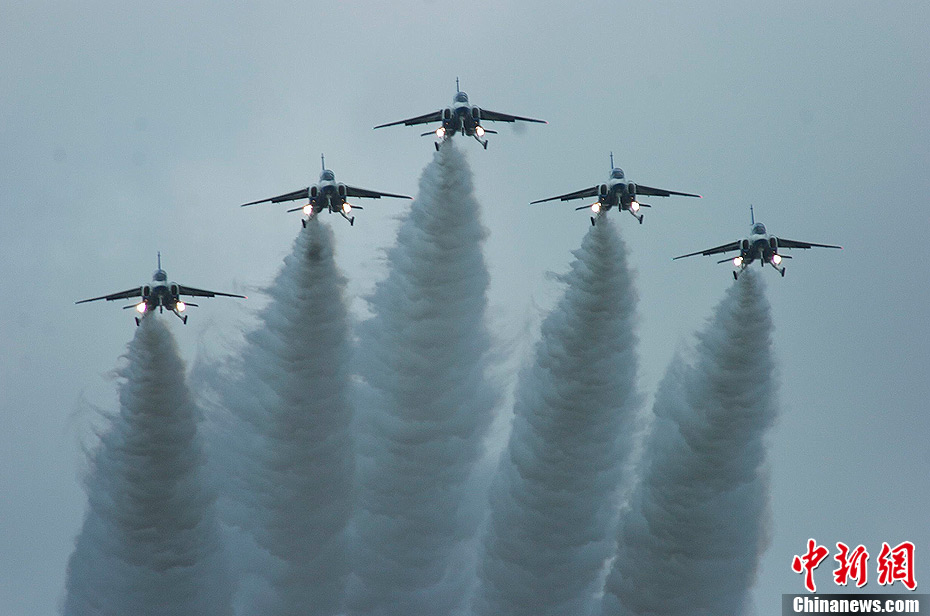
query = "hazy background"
x=127 y=130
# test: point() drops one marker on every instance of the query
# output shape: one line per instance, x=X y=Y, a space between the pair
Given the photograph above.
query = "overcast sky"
x=128 y=129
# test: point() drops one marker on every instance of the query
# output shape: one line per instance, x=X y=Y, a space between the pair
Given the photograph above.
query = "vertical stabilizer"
x=159 y=259
x=323 y=162
x=457 y=85
x=752 y=216
x=611 y=161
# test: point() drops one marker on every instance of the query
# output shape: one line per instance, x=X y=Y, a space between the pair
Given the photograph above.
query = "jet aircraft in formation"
x=160 y=294
x=618 y=192
x=759 y=245
x=464 y=118
x=327 y=194
x=461 y=117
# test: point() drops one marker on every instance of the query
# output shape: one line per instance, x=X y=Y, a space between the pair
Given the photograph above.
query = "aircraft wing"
x=578 y=194
x=182 y=290
x=303 y=193
x=435 y=116
x=352 y=191
x=496 y=116
x=782 y=243
x=712 y=251
x=137 y=292
x=660 y=192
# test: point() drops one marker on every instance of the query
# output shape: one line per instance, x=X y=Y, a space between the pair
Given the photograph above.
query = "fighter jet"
x=759 y=245
x=616 y=192
x=160 y=294
x=328 y=194
x=462 y=117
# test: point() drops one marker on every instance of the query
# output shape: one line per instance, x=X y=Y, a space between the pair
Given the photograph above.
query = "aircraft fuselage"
x=328 y=194
x=616 y=192
x=160 y=294
x=759 y=246
x=462 y=118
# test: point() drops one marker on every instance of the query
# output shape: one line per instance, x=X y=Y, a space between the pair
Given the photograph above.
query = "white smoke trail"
x=149 y=544
x=425 y=405
x=691 y=541
x=292 y=410
x=553 y=504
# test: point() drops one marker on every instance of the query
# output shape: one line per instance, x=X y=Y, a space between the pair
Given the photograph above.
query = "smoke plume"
x=149 y=544
x=425 y=404
x=691 y=540
x=553 y=503
x=291 y=418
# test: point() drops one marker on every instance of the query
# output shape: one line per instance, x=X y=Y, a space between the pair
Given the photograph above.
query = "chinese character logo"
x=810 y=561
x=851 y=565
x=897 y=564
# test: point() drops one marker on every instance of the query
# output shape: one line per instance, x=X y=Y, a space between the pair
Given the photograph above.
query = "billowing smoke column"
x=691 y=540
x=293 y=411
x=425 y=406
x=149 y=544
x=554 y=501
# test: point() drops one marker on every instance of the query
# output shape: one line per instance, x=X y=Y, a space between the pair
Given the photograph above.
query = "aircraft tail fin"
x=752 y=216
x=159 y=259
x=611 y=161
x=323 y=162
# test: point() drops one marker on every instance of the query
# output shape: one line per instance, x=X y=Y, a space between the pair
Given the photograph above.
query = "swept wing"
x=782 y=243
x=136 y=292
x=496 y=116
x=578 y=194
x=661 y=192
x=435 y=116
x=303 y=193
x=352 y=191
x=182 y=290
x=712 y=251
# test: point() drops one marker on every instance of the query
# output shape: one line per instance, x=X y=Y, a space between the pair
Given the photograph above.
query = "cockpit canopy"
x=160 y=276
x=758 y=229
x=617 y=173
x=327 y=175
x=460 y=97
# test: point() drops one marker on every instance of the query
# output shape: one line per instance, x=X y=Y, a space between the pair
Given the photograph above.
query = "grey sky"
x=125 y=130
